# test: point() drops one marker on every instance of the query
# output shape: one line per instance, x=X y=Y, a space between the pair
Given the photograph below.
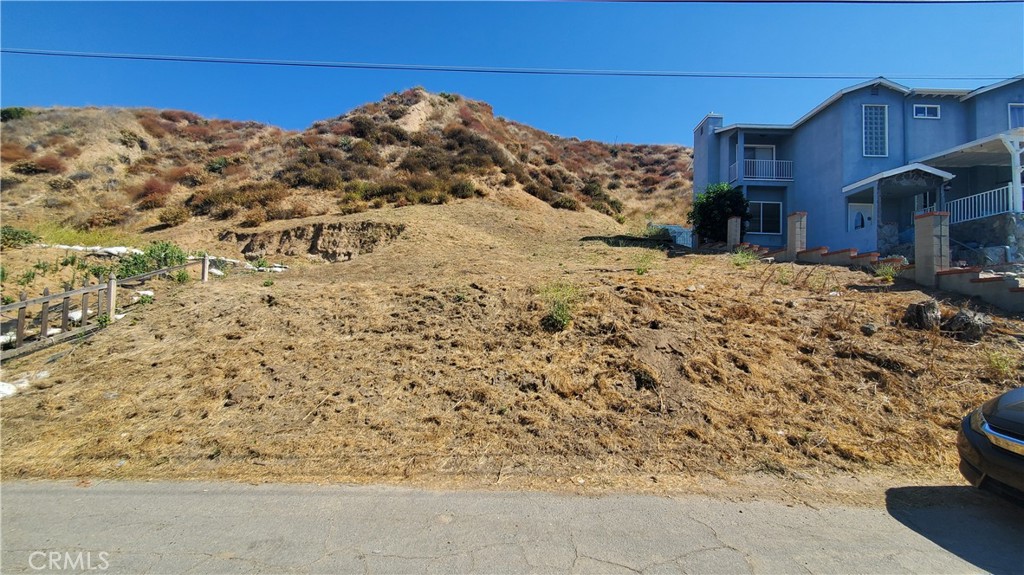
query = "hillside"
x=490 y=340
x=92 y=168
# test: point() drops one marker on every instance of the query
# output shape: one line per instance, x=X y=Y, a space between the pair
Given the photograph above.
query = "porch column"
x=796 y=234
x=733 y=232
x=931 y=246
x=1016 y=147
x=741 y=142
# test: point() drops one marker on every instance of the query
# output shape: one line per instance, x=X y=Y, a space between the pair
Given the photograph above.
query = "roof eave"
x=856 y=186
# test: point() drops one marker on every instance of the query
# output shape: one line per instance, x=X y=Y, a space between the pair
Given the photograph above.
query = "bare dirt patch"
x=330 y=242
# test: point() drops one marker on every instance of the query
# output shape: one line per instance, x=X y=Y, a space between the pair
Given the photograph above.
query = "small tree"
x=713 y=208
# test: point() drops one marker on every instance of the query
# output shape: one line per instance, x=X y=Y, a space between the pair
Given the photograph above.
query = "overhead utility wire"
x=793 y=1
x=471 y=69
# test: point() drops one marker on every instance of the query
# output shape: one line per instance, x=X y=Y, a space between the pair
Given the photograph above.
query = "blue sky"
x=865 y=39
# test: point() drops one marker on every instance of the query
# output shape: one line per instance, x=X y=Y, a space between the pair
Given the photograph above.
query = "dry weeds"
x=425 y=361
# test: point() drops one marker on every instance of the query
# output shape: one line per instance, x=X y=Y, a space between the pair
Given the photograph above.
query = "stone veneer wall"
x=993 y=231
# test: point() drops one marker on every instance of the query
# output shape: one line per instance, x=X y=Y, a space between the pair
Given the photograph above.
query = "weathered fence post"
x=111 y=296
x=85 y=310
x=205 y=273
x=19 y=330
x=65 y=309
x=44 y=316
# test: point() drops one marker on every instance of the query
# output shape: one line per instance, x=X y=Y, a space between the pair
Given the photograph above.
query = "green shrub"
x=462 y=189
x=165 y=254
x=247 y=196
x=182 y=276
x=713 y=208
x=27 y=168
x=592 y=190
x=60 y=183
x=560 y=298
x=644 y=262
x=887 y=271
x=174 y=216
x=540 y=192
x=744 y=257
x=363 y=127
x=11 y=237
x=363 y=152
x=14 y=113
x=217 y=165
x=133 y=265
x=567 y=203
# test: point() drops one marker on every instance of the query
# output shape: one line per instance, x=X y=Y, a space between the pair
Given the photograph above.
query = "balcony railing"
x=769 y=170
x=983 y=205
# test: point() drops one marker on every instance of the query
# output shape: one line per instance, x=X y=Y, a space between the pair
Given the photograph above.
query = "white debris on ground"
x=75 y=316
x=216 y=272
x=111 y=251
x=21 y=383
x=275 y=268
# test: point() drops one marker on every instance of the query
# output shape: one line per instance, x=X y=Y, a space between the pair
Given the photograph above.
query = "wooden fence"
x=27 y=339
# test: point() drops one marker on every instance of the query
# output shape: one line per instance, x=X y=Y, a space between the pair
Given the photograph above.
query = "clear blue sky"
x=866 y=39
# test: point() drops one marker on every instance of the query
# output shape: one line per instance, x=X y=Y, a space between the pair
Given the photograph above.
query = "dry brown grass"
x=425 y=361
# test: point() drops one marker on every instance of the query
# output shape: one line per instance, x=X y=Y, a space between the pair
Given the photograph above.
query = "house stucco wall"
x=855 y=165
x=705 y=153
x=990 y=110
x=925 y=136
x=817 y=146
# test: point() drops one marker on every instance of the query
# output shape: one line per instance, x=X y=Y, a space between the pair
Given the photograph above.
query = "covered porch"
x=880 y=209
x=988 y=177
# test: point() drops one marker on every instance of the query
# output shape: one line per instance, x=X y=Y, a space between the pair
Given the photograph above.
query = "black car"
x=991 y=444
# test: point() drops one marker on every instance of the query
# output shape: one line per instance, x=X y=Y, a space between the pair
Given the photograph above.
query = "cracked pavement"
x=186 y=527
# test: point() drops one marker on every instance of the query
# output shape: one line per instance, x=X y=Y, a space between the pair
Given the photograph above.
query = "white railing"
x=777 y=170
x=983 y=205
x=768 y=169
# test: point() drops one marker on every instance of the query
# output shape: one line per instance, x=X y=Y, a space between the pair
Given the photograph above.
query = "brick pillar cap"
x=930 y=214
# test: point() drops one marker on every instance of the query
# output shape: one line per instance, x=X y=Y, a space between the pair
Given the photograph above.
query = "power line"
x=795 y=1
x=474 y=69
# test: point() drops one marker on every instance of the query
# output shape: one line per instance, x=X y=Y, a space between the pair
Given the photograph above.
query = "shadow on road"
x=977 y=526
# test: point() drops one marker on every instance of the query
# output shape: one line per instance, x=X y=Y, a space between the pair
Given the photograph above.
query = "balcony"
x=765 y=170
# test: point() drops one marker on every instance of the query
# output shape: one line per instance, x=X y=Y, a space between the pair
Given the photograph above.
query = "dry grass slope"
x=426 y=361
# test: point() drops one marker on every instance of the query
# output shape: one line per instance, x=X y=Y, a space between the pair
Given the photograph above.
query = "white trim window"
x=765 y=218
x=1016 y=112
x=927 y=111
x=876 y=130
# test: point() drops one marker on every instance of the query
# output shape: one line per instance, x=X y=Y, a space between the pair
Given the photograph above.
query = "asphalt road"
x=136 y=527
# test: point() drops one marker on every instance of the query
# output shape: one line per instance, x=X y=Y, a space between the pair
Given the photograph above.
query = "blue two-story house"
x=867 y=159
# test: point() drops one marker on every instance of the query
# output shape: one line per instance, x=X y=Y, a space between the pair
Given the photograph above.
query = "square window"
x=765 y=218
x=926 y=111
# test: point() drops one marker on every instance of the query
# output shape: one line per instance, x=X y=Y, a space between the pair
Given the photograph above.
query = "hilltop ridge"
x=94 y=167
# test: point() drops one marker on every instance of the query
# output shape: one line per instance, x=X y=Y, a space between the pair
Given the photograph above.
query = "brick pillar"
x=796 y=234
x=733 y=232
x=931 y=246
